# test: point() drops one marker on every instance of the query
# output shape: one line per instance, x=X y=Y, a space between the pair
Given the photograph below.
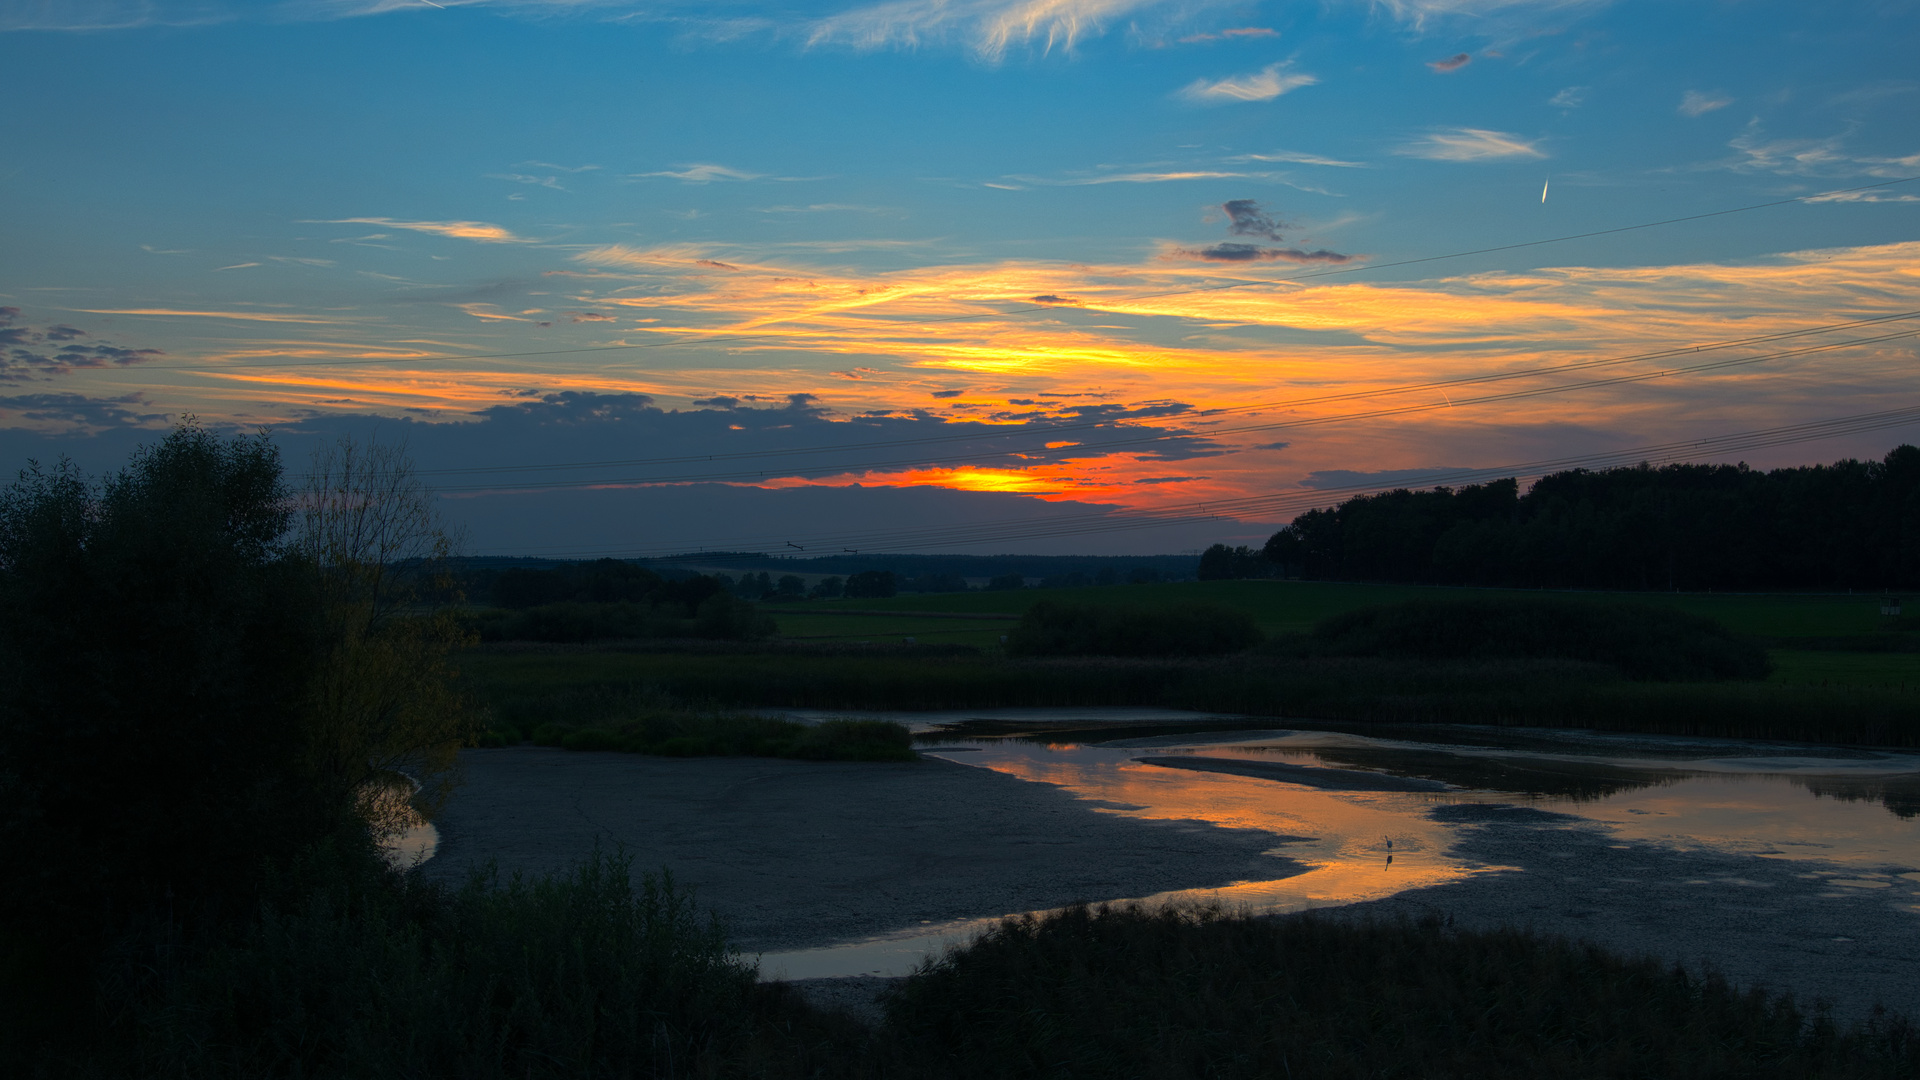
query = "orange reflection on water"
x=1357 y=845
x=1756 y=815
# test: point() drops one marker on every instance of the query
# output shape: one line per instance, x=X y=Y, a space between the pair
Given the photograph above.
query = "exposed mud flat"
x=797 y=854
x=1798 y=870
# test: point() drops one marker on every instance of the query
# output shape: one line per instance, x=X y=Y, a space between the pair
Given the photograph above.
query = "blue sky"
x=978 y=217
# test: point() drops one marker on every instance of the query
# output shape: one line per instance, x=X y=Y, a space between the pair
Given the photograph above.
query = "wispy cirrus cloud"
x=1470 y=144
x=989 y=28
x=1142 y=176
x=1865 y=197
x=1231 y=34
x=243 y=316
x=1264 y=85
x=1700 y=103
x=1293 y=158
x=1826 y=157
x=481 y=231
x=1451 y=63
x=700 y=174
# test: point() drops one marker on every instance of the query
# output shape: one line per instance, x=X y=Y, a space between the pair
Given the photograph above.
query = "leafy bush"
x=1065 y=628
x=1121 y=992
x=1643 y=641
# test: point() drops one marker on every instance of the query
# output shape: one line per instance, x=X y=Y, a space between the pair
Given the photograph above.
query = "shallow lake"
x=1376 y=811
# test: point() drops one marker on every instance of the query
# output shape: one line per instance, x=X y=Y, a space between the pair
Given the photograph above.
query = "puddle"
x=1852 y=815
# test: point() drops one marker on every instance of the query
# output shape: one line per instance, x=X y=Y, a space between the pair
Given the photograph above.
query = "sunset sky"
x=633 y=276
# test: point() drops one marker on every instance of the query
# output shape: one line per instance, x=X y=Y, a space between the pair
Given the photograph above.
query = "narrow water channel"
x=1378 y=813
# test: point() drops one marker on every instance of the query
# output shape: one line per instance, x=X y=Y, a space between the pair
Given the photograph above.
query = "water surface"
x=1850 y=817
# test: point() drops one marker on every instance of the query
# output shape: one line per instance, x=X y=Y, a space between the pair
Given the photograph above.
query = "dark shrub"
x=1065 y=628
x=592 y=739
x=584 y=975
x=871 y=585
x=855 y=740
x=718 y=616
x=1006 y=581
x=604 y=581
x=678 y=733
x=723 y=616
x=1124 y=992
x=1643 y=641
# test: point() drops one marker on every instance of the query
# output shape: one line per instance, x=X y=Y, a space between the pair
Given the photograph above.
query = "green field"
x=1294 y=606
x=1828 y=684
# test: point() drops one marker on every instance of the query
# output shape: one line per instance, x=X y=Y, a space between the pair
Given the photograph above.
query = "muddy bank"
x=797 y=854
x=1848 y=935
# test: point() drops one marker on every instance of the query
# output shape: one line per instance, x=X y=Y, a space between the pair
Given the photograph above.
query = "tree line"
x=1849 y=525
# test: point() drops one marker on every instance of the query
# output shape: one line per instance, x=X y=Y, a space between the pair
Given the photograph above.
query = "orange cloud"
x=742 y=323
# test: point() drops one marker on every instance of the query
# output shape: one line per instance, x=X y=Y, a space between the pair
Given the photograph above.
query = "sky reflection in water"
x=1851 y=814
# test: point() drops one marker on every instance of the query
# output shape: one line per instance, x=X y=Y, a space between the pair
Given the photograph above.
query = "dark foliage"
x=361 y=975
x=934 y=583
x=1849 y=525
x=606 y=581
x=1643 y=641
x=155 y=646
x=871 y=585
x=719 y=616
x=1065 y=628
x=1006 y=581
x=680 y=733
x=1223 y=563
x=530 y=688
x=1123 y=992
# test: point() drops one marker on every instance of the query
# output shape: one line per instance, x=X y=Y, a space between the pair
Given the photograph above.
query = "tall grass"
x=576 y=976
x=1642 y=640
x=1123 y=992
x=1066 y=628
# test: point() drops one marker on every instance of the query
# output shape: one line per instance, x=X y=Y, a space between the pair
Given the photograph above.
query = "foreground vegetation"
x=350 y=971
x=1129 y=992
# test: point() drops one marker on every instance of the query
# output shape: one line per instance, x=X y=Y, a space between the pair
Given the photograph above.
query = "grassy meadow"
x=1838 y=672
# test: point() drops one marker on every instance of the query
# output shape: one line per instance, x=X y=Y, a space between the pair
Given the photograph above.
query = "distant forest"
x=1849 y=525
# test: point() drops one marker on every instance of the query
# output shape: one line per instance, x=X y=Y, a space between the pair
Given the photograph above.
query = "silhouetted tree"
x=1851 y=524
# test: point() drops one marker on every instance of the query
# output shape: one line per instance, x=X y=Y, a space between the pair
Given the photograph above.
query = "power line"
x=1013 y=530
x=1030 y=309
